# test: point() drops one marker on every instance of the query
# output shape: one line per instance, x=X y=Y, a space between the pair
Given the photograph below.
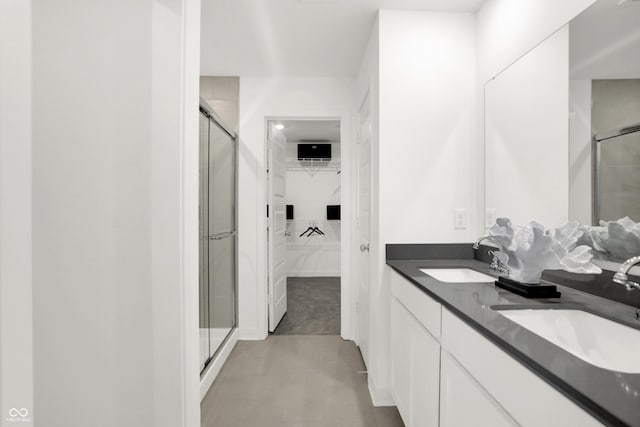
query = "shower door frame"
x=596 y=155
x=206 y=109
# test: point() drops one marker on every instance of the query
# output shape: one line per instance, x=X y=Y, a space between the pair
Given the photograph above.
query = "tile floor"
x=294 y=381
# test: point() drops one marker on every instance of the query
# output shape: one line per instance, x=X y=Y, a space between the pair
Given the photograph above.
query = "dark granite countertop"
x=611 y=397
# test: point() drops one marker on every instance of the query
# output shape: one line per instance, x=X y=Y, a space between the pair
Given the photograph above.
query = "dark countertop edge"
x=583 y=401
x=419 y=251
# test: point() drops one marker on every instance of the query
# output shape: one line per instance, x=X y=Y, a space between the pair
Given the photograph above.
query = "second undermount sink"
x=594 y=339
x=458 y=275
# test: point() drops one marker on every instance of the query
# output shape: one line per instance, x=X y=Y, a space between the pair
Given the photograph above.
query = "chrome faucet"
x=476 y=245
x=621 y=276
x=496 y=265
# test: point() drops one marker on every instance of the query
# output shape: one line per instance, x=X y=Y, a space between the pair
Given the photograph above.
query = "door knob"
x=364 y=248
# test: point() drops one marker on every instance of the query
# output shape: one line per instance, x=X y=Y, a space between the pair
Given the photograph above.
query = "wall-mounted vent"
x=314 y=151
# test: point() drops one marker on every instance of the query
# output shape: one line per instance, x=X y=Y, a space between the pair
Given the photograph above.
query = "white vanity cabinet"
x=443 y=372
x=528 y=399
x=415 y=354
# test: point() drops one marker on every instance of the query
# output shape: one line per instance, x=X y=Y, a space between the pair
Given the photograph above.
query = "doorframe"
x=366 y=98
x=347 y=224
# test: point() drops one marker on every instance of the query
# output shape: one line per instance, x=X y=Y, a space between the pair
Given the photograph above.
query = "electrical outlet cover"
x=460 y=219
x=490 y=217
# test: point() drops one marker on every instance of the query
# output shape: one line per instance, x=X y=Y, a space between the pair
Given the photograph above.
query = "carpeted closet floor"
x=313 y=307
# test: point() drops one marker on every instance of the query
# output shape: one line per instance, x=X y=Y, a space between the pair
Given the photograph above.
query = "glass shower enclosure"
x=217 y=218
x=615 y=174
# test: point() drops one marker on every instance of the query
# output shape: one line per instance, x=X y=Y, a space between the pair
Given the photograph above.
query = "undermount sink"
x=457 y=275
x=594 y=339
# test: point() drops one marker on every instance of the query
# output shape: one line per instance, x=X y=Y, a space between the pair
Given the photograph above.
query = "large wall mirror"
x=562 y=130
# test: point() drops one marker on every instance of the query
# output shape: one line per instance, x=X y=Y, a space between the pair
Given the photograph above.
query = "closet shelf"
x=312 y=245
x=312 y=166
x=311 y=160
x=313 y=220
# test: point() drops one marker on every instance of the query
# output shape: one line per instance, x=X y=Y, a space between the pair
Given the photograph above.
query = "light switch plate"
x=460 y=218
x=490 y=217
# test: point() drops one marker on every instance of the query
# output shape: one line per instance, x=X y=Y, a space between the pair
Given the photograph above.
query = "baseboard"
x=216 y=364
x=380 y=396
x=313 y=273
x=252 y=334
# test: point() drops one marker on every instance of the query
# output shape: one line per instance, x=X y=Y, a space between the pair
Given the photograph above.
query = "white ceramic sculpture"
x=532 y=249
x=617 y=240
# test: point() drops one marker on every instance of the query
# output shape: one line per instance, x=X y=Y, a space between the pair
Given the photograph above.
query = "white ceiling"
x=605 y=41
x=321 y=38
x=311 y=130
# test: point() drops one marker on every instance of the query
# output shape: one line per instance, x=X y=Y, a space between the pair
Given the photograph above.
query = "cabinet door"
x=415 y=368
x=464 y=403
x=425 y=377
x=401 y=359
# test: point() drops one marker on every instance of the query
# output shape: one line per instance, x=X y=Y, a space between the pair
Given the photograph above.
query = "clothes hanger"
x=317 y=231
x=311 y=230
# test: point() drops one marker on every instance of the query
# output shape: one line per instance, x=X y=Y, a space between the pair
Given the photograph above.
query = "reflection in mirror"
x=605 y=97
x=533 y=171
x=526 y=128
x=604 y=101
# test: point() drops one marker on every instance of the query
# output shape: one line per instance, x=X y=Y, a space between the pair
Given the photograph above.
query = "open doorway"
x=304 y=226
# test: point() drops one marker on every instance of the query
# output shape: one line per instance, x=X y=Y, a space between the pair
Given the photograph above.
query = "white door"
x=364 y=226
x=277 y=281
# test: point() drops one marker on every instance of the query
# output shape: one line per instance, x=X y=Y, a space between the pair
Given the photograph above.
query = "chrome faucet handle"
x=621 y=276
x=497 y=265
x=623 y=279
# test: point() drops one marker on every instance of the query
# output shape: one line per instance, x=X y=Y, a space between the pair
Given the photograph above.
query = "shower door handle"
x=220 y=236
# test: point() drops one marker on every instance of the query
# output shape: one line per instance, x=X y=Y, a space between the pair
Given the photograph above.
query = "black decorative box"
x=528 y=290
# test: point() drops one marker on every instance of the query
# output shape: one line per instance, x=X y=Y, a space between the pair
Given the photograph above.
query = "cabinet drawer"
x=424 y=308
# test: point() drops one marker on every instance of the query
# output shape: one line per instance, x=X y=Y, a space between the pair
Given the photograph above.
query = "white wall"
x=506 y=30
x=527 y=136
x=610 y=52
x=115 y=226
x=16 y=327
x=261 y=99
x=423 y=159
x=222 y=93
x=315 y=256
x=427 y=125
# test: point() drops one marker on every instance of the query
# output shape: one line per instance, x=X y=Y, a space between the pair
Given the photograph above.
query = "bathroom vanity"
x=458 y=360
